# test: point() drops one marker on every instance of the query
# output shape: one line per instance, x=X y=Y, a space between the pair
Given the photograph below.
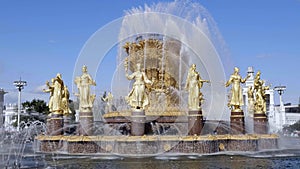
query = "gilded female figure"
x=137 y=97
x=193 y=84
x=235 y=81
x=56 y=93
x=83 y=83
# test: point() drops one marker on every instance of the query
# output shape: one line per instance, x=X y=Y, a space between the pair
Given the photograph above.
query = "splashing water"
x=199 y=41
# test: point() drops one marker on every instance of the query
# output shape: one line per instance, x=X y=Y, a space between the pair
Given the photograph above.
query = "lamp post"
x=280 y=90
x=19 y=85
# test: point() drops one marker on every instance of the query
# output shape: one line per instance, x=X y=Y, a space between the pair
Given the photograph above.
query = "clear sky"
x=41 y=38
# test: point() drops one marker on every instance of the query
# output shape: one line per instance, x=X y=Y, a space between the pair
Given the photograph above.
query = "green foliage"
x=39 y=106
x=36 y=110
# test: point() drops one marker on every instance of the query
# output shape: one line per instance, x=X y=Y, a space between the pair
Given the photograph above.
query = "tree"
x=35 y=110
x=39 y=106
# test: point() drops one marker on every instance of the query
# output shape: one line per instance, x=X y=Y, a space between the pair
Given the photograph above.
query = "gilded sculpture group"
x=256 y=104
x=59 y=94
x=138 y=99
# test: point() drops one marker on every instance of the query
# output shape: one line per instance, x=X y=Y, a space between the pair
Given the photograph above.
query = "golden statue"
x=137 y=97
x=83 y=83
x=250 y=94
x=235 y=80
x=65 y=101
x=56 y=91
x=260 y=91
x=51 y=91
x=193 y=84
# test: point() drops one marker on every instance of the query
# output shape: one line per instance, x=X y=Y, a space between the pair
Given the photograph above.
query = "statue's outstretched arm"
x=130 y=77
x=245 y=79
x=229 y=82
x=146 y=79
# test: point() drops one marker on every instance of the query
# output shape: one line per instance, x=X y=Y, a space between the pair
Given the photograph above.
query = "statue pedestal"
x=195 y=122
x=55 y=125
x=237 y=122
x=86 y=120
x=67 y=129
x=260 y=123
x=138 y=119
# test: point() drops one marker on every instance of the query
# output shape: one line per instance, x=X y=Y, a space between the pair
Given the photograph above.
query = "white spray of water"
x=201 y=42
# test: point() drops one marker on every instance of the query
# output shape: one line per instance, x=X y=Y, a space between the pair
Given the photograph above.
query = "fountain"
x=163 y=45
x=164 y=105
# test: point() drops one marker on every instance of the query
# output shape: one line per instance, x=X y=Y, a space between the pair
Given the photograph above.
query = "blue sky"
x=41 y=38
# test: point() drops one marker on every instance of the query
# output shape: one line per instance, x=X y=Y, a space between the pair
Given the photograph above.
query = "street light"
x=19 y=85
x=280 y=90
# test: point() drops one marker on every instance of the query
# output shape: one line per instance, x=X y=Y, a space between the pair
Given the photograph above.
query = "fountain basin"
x=153 y=145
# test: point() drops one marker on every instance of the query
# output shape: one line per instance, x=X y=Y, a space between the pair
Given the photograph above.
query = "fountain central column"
x=138 y=119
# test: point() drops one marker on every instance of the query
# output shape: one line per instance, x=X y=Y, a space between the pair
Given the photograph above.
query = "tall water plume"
x=188 y=35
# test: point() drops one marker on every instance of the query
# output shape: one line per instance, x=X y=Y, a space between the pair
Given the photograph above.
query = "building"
x=10 y=112
x=2 y=93
x=291 y=113
x=10 y=115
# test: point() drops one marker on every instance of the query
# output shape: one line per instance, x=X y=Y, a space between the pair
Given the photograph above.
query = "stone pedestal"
x=55 y=125
x=138 y=119
x=237 y=122
x=67 y=128
x=86 y=121
x=260 y=123
x=195 y=122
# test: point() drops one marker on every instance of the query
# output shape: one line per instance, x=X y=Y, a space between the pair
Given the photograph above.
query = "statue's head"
x=58 y=75
x=236 y=70
x=257 y=76
x=84 y=68
x=193 y=67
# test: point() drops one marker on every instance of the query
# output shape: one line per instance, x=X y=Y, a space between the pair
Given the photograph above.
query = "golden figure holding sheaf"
x=193 y=84
x=59 y=96
x=65 y=101
x=235 y=81
x=83 y=82
x=260 y=94
x=137 y=97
